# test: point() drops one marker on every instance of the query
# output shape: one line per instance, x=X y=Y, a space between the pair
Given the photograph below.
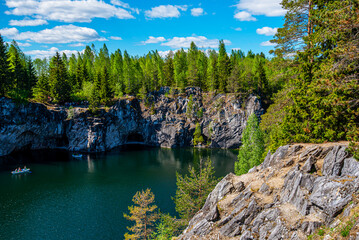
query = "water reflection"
x=92 y=192
x=90 y=164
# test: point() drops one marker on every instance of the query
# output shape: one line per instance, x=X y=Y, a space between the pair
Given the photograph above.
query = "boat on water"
x=77 y=155
x=25 y=170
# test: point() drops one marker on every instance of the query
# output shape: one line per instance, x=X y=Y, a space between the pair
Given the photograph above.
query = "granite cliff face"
x=166 y=119
x=292 y=193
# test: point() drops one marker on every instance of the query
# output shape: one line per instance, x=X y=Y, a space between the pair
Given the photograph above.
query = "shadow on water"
x=68 y=198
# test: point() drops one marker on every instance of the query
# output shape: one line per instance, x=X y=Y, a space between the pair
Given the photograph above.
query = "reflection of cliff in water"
x=138 y=156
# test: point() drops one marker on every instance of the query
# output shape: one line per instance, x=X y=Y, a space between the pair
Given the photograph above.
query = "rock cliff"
x=292 y=193
x=166 y=118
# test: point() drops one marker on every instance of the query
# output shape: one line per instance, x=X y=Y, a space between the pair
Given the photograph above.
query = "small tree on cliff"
x=143 y=213
x=193 y=189
x=252 y=149
x=197 y=136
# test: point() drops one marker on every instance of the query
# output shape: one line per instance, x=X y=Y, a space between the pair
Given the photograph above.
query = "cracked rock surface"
x=296 y=190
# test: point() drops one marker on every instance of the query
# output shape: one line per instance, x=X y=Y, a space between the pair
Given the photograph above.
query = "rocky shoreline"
x=166 y=119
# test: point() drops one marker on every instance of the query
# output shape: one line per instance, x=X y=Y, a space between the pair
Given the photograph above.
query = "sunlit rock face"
x=296 y=190
x=165 y=118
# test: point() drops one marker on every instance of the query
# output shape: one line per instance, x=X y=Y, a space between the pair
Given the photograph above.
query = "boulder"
x=330 y=196
x=334 y=161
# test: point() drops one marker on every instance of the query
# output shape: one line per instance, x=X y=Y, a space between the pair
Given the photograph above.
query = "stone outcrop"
x=29 y=126
x=166 y=119
x=292 y=193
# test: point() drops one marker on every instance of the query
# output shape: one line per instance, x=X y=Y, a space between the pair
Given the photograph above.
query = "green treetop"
x=252 y=149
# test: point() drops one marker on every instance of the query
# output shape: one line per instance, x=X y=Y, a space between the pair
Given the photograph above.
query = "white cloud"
x=28 y=22
x=244 y=16
x=164 y=54
x=23 y=44
x=153 y=40
x=115 y=38
x=77 y=45
x=200 y=41
x=49 y=53
x=125 y=5
x=9 y=32
x=238 y=29
x=269 y=8
x=58 y=34
x=197 y=12
x=66 y=10
x=268 y=31
x=268 y=44
x=165 y=11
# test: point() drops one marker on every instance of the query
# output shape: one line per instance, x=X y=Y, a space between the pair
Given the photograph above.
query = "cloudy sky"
x=42 y=27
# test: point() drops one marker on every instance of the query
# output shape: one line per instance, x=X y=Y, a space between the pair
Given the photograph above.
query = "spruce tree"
x=41 y=90
x=4 y=68
x=144 y=215
x=252 y=149
x=31 y=78
x=105 y=90
x=60 y=89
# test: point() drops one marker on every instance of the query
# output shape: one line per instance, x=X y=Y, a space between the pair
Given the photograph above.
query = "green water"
x=65 y=198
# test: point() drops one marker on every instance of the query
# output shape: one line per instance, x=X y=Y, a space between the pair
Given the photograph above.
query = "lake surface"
x=66 y=198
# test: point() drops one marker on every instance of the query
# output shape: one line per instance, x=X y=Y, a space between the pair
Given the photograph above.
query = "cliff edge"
x=166 y=118
x=295 y=191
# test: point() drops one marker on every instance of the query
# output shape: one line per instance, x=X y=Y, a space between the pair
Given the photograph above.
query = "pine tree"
x=144 y=215
x=298 y=24
x=212 y=71
x=168 y=70
x=252 y=149
x=180 y=69
x=202 y=70
x=193 y=189
x=192 y=72
x=4 y=68
x=233 y=80
x=223 y=67
x=117 y=72
x=128 y=74
x=325 y=92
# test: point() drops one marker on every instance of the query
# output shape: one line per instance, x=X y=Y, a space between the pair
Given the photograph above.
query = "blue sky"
x=42 y=27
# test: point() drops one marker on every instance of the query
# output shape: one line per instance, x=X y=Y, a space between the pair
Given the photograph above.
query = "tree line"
x=98 y=76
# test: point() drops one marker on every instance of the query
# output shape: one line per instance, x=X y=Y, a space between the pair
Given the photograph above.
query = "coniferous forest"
x=309 y=84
